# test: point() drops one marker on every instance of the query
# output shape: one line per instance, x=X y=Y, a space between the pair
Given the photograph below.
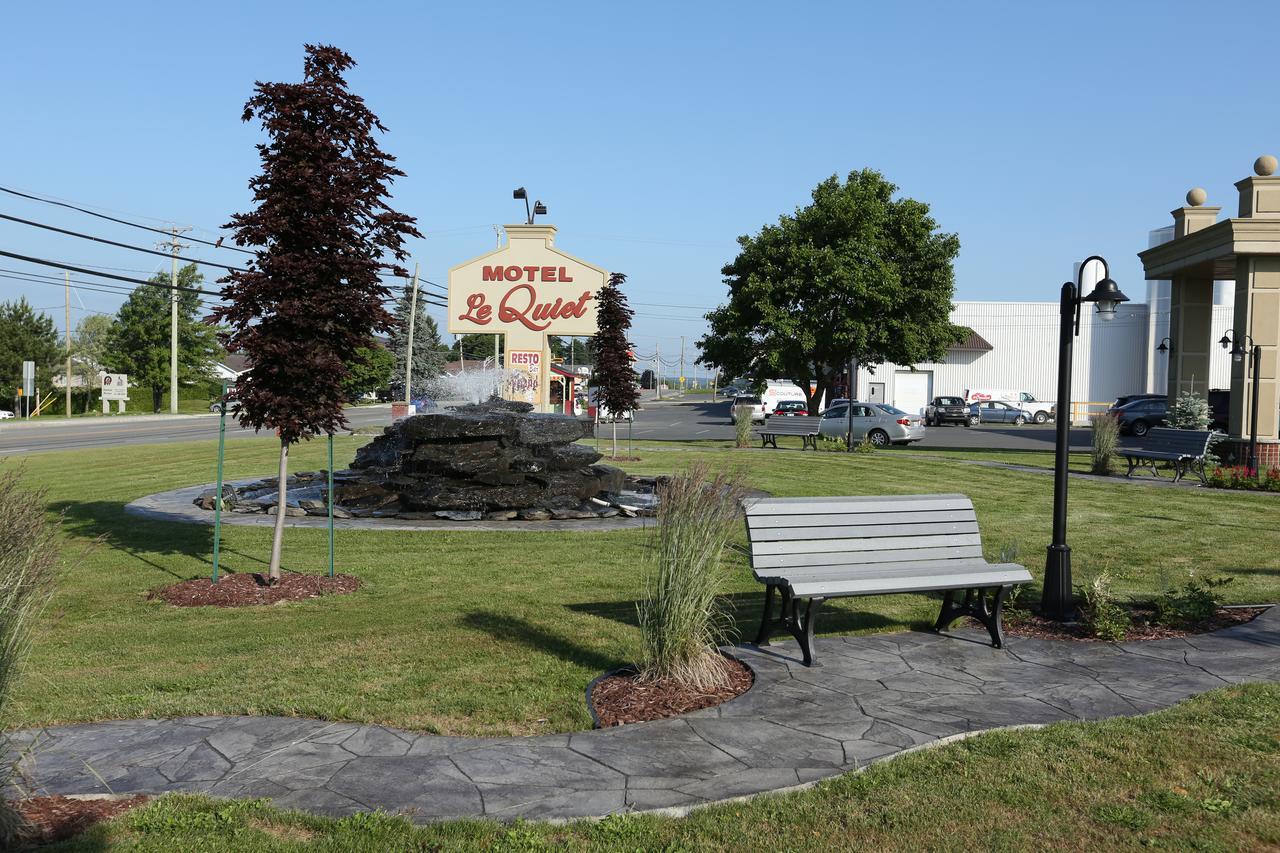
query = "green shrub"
x=830 y=444
x=742 y=427
x=1190 y=411
x=28 y=556
x=1106 y=432
x=1106 y=618
x=1193 y=602
x=682 y=618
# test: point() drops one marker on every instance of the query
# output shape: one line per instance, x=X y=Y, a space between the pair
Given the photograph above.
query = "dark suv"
x=946 y=410
x=1140 y=416
x=1126 y=399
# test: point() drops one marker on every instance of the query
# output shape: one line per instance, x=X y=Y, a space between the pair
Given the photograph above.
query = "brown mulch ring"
x=50 y=819
x=252 y=589
x=620 y=699
x=1142 y=627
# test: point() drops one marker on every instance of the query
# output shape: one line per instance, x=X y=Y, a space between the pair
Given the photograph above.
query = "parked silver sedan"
x=879 y=423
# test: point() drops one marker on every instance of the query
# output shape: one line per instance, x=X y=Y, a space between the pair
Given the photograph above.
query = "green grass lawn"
x=1204 y=775
x=498 y=633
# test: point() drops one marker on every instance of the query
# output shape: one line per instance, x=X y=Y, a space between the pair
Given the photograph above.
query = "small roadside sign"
x=115 y=386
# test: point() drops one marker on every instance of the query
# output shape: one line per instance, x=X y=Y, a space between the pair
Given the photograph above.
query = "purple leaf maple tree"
x=323 y=233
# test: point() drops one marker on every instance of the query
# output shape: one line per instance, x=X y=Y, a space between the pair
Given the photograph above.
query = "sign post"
x=28 y=385
x=527 y=290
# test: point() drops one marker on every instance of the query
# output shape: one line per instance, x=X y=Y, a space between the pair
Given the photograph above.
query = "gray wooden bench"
x=820 y=548
x=806 y=427
x=1184 y=448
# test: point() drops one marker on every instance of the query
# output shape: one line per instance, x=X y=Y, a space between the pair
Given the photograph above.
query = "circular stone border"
x=177 y=505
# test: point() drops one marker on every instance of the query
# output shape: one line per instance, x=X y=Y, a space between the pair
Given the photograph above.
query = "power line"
x=84 y=271
x=166 y=255
x=217 y=245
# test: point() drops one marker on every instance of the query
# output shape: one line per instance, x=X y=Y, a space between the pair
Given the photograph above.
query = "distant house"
x=230 y=367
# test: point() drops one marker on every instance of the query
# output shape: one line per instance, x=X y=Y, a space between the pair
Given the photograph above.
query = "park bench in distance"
x=1185 y=448
x=820 y=548
x=805 y=427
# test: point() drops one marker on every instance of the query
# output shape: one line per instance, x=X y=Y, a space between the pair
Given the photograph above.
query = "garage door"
x=912 y=390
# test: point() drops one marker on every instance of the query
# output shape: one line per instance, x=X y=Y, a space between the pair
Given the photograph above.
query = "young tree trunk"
x=273 y=573
x=615 y=436
x=157 y=397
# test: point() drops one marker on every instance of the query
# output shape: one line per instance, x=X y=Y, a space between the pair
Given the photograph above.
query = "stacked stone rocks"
x=495 y=458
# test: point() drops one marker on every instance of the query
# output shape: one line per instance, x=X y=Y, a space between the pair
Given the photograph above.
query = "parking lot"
x=705 y=419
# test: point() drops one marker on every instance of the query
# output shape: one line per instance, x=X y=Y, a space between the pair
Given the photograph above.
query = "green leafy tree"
x=474 y=347
x=573 y=350
x=429 y=352
x=369 y=371
x=139 y=340
x=25 y=336
x=89 y=351
x=856 y=274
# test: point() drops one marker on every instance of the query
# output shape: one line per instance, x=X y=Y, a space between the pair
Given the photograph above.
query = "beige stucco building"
x=1244 y=249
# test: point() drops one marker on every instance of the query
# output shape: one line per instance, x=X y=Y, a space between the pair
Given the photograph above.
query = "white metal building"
x=1015 y=346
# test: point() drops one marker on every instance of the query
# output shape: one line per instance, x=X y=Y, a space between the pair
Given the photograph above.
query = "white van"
x=1041 y=411
x=777 y=390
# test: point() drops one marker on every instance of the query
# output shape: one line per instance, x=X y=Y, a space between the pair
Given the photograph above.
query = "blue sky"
x=658 y=132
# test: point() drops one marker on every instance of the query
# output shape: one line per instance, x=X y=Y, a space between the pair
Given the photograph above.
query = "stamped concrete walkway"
x=872 y=697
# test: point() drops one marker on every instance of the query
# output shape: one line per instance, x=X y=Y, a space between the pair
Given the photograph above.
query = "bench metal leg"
x=977 y=605
x=789 y=620
x=762 y=637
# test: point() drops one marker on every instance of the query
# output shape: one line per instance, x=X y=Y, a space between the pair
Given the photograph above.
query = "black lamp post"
x=1055 y=602
x=1237 y=354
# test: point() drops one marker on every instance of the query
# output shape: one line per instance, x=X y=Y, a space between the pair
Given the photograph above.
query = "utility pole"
x=174 y=246
x=682 y=362
x=408 y=356
x=66 y=278
x=657 y=368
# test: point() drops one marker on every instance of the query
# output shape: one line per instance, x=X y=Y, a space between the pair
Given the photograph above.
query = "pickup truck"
x=946 y=410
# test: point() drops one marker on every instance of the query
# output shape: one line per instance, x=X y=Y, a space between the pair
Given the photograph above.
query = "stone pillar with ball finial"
x=1191 y=305
x=1257 y=310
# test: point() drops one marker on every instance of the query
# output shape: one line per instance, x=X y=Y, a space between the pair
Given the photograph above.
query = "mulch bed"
x=51 y=819
x=252 y=590
x=1142 y=626
x=620 y=699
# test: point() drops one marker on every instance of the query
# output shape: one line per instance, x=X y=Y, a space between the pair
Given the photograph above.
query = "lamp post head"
x=539 y=208
x=1225 y=341
x=1163 y=348
x=1105 y=297
x=519 y=193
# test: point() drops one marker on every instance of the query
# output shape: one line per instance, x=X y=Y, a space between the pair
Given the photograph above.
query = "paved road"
x=709 y=419
x=19 y=438
x=665 y=420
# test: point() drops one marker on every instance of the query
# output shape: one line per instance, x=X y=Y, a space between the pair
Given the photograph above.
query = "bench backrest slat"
x=865 y=558
x=873 y=531
x=766 y=522
x=866 y=531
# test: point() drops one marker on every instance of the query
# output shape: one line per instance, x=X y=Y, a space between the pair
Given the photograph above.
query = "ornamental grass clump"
x=1106 y=433
x=28 y=557
x=682 y=618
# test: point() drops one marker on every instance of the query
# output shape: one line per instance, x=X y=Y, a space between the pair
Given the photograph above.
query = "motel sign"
x=528 y=290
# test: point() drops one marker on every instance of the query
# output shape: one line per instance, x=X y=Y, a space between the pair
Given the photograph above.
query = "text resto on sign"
x=526 y=290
